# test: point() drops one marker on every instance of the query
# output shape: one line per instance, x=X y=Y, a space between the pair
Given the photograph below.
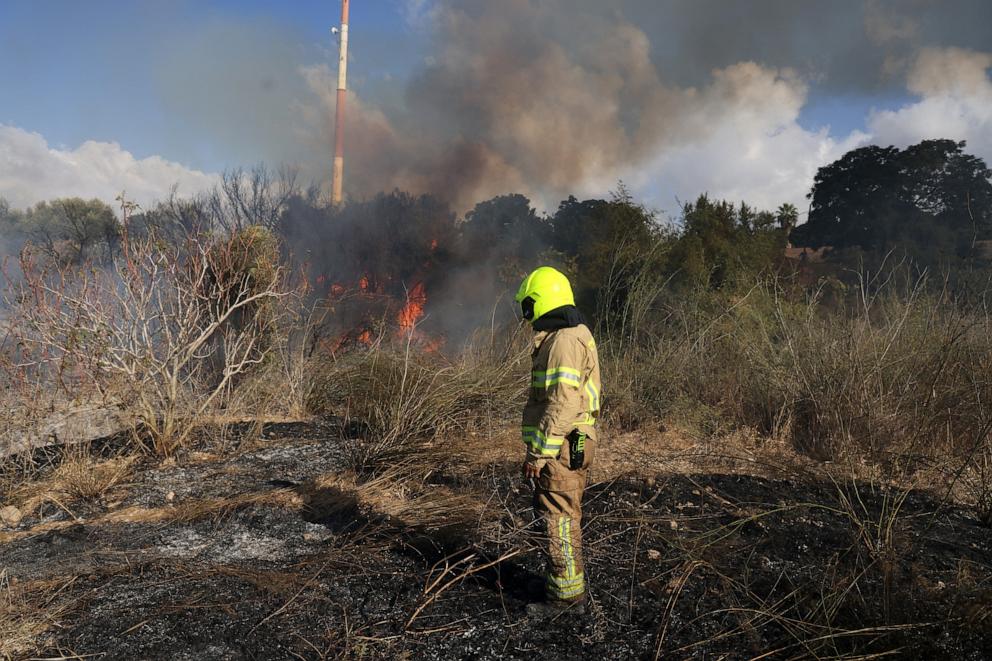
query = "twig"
x=291 y=600
x=670 y=606
x=457 y=579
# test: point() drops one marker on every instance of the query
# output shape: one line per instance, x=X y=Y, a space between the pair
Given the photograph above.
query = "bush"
x=163 y=332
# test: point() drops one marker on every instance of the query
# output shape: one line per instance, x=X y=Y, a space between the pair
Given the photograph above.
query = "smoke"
x=546 y=97
x=553 y=98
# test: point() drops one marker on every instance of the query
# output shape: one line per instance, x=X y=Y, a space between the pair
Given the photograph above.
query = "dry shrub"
x=407 y=398
x=281 y=387
x=165 y=332
x=899 y=374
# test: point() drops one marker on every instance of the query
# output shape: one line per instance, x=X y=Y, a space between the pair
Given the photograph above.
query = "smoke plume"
x=553 y=98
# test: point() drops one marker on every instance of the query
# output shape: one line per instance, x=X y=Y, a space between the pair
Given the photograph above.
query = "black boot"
x=552 y=608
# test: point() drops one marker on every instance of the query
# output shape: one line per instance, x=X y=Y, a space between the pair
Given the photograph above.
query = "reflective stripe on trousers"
x=562 y=516
x=571 y=583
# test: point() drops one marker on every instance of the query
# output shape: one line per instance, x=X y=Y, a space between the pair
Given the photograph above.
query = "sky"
x=468 y=99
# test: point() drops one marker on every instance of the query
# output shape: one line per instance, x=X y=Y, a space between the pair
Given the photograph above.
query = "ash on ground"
x=258 y=554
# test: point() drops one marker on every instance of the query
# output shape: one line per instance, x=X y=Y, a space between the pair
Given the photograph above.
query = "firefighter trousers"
x=558 y=502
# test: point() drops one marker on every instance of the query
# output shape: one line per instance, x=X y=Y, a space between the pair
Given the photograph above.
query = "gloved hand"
x=530 y=471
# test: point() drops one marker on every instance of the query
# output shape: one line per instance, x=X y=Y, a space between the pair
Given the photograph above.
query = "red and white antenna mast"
x=338 y=172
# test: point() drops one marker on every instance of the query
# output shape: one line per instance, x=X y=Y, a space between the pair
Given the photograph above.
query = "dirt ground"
x=274 y=548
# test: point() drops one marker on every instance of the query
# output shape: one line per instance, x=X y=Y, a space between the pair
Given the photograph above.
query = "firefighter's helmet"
x=542 y=291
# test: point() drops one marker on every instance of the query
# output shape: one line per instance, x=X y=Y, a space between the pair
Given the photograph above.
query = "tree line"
x=931 y=201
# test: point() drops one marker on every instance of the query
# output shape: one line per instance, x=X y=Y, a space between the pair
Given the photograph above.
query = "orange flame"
x=411 y=313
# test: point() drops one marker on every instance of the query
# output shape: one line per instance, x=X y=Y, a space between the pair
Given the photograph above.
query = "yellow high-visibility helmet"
x=542 y=291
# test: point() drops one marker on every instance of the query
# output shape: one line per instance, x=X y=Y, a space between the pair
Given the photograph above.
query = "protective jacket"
x=564 y=394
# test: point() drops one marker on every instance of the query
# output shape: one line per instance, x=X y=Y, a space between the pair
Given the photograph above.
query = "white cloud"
x=743 y=142
x=955 y=102
x=31 y=171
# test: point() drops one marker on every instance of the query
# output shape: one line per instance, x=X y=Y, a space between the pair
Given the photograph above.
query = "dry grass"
x=393 y=494
x=894 y=375
x=77 y=477
x=183 y=512
x=29 y=610
x=976 y=482
x=407 y=399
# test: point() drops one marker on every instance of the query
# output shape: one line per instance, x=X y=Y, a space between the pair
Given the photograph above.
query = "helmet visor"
x=527 y=308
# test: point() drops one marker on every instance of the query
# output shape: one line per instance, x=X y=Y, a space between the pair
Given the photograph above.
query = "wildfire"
x=411 y=313
x=365 y=299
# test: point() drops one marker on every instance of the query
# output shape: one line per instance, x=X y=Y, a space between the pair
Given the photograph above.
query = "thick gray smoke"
x=552 y=97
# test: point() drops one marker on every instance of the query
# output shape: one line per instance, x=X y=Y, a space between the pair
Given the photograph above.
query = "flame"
x=363 y=283
x=433 y=245
x=337 y=289
x=365 y=337
x=411 y=313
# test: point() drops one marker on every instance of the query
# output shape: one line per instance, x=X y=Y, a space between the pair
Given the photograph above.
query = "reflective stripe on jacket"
x=565 y=391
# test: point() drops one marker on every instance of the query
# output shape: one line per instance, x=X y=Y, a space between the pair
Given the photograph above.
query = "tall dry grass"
x=415 y=402
x=898 y=373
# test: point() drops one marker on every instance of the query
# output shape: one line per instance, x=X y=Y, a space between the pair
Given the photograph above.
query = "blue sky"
x=76 y=71
x=189 y=88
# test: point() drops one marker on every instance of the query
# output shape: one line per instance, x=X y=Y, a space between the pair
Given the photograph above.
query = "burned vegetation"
x=271 y=543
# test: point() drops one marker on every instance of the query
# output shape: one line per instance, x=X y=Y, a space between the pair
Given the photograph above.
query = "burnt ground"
x=273 y=550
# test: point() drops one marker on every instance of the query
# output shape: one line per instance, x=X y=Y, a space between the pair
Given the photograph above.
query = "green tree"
x=721 y=245
x=9 y=223
x=930 y=198
x=599 y=235
x=73 y=230
x=506 y=232
x=787 y=217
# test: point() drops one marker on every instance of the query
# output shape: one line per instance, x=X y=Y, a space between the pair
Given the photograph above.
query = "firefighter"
x=559 y=431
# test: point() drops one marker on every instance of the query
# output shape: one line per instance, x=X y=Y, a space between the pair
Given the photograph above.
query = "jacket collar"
x=566 y=316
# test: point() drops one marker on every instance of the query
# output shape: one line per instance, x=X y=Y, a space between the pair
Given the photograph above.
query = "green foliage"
x=723 y=246
x=787 y=216
x=931 y=199
x=70 y=230
x=596 y=236
x=505 y=232
x=252 y=254
x=242 y=265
